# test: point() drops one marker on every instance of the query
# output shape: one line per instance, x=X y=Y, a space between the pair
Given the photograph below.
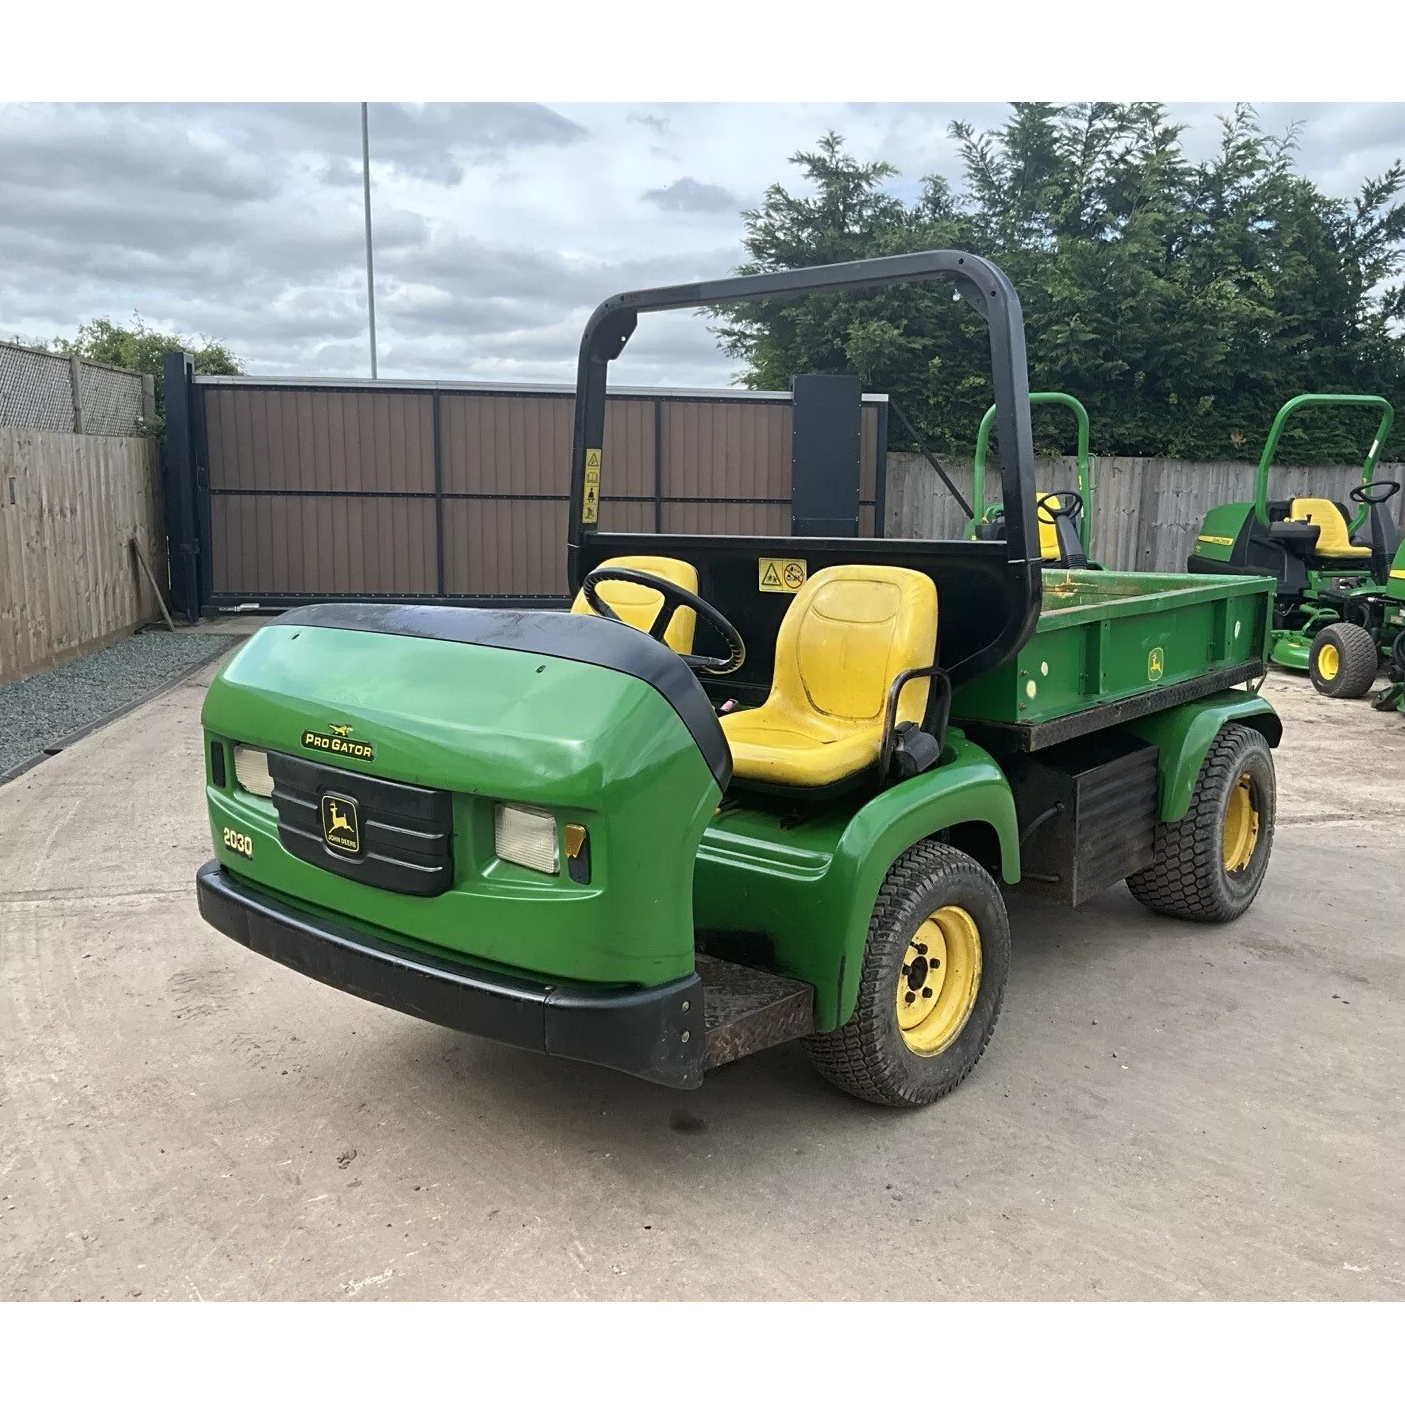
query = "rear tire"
x=1342 y=661
x=946 y=892
x=1209 y=866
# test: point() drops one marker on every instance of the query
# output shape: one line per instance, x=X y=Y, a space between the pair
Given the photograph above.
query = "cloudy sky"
x=497 y=225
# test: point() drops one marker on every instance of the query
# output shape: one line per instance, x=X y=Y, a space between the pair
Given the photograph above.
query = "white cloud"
x=498 y=225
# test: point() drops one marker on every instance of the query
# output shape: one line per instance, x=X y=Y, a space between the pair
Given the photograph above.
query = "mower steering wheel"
x=1363 y=492
x=674 y=599
x=1069 y=504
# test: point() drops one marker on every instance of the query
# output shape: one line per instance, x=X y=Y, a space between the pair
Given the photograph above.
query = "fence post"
x=178 y=469
x=148 y=399
x=75 y=376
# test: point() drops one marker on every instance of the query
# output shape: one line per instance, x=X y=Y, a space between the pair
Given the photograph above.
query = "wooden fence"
x=1146 y=512
x=69 y=506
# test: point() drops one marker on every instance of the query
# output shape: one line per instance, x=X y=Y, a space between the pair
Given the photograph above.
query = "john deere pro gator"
x=748 y=789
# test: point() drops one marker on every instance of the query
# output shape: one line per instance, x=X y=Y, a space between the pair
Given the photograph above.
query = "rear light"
x=251 y=770
x=525 y=836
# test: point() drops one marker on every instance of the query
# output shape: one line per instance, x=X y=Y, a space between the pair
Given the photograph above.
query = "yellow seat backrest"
x=1048 y=530
x=1333 y=538
x=639 y=606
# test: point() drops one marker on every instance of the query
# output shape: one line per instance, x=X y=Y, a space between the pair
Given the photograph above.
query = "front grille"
x=404 y=830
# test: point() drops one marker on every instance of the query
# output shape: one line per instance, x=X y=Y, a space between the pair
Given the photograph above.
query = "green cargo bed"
x=1114 y=645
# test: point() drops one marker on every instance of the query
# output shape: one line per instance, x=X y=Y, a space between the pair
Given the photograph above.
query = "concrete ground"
x=1166 y=1111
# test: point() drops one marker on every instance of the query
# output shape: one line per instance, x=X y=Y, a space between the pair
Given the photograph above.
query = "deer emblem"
x=341 y=729
x=339 y=820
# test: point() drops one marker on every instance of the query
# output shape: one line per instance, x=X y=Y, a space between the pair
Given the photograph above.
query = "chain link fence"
x=41 y=390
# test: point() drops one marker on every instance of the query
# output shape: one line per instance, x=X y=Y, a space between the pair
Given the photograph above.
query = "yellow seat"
x=639 y=606
x=1333 y=537
x=847 y=635
x=1048 y=529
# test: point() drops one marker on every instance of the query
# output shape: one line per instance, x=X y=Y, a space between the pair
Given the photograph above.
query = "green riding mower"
x=697 y=815
x=1065 y=518
x=1332 y=612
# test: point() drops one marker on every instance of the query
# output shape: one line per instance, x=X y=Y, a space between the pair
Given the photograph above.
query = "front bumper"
x=655 y=1033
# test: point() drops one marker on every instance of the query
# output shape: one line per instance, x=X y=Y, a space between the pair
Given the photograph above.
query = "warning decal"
x=780 y=573
x=590 y=503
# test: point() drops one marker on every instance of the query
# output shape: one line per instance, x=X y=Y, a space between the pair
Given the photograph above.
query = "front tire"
x=1209 y=866
x=933 y=977
x=1342 y=661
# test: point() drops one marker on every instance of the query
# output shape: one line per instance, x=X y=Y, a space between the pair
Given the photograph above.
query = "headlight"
x=251 y=770
x=527 y=837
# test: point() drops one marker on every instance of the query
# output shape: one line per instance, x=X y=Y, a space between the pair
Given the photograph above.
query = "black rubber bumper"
x=655 y=1033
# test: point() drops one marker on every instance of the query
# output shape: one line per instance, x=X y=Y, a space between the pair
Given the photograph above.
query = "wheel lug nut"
x=909 y=997
x=926 y=992
x=922 y=948
x=907 y=970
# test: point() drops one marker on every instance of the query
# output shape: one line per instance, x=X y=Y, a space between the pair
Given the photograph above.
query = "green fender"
x=811 y=889
x=1184 y=734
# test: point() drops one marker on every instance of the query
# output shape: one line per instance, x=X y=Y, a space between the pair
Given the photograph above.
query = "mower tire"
x=1342 y=661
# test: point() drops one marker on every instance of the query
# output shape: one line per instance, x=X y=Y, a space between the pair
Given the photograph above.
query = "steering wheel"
x=1366 y=492
x=674 y=599
x=1071 y=505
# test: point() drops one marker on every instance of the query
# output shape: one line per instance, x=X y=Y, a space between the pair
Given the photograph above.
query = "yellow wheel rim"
x=1241 y=826
x=941 y=973
x=1328 y=662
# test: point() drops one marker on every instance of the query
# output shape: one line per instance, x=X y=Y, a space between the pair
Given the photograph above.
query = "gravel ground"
x=36 y=712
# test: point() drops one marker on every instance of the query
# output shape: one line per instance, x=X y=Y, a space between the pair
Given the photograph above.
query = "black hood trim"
x=552 y=634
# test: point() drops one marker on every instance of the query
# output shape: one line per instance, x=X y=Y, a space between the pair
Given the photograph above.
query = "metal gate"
x=282 y=492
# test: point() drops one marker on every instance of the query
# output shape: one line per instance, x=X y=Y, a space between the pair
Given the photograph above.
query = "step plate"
x=746 y=1010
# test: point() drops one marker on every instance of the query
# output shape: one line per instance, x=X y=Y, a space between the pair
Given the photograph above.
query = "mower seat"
x=1333 y=537
x=639 y=606
x=848 y=633
x=1048 y=530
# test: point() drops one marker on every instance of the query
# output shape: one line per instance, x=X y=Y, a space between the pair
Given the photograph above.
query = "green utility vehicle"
x=749 y=789
x=1330 y=583
x=1065 y=519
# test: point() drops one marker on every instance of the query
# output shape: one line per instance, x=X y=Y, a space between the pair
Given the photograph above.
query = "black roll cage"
x=979 y=282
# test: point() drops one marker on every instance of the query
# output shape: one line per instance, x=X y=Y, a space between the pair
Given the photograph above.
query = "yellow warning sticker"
x=1216 y=541
x=783 y=574
x=590 y=503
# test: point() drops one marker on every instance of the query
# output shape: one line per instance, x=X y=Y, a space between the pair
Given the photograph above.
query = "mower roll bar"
x=1368 y=468
x=1085 y=482
x=977 y=280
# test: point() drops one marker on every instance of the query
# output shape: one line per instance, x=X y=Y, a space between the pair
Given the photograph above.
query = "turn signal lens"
x=527 y=837
x=251 y=770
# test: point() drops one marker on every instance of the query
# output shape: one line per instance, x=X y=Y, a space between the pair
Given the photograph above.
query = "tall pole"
x=370 y=265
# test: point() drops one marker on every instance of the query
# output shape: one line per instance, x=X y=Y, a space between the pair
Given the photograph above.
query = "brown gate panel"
x=506 y=548
x=320 y=492
x=739 y=452
x=322 y=546
x=460 y=493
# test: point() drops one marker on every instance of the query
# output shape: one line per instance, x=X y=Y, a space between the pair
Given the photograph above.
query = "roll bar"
x=1368 y=468
x=1085 y=481
x=977 y=280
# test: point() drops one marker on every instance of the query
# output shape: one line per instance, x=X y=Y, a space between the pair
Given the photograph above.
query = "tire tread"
x=1183 y=879
x=853 y=1057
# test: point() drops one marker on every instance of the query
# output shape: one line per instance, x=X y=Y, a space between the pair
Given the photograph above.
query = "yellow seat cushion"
x=1333 y=537
x=848 y=633
x=639 y=606
x=1048 y=530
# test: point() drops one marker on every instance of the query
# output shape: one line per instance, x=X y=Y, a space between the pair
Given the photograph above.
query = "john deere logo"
x=341 y=825
x=1155 y=664
x=337 y=740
